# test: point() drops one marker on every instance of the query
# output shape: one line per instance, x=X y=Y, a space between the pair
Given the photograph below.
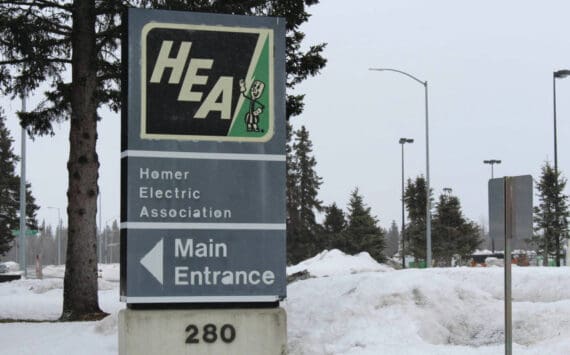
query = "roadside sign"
x=510 y=216
x=522 y=207
x=203 y=159
x=28 y=232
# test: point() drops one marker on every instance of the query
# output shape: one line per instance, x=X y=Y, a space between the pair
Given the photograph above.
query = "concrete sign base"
x=203 y=332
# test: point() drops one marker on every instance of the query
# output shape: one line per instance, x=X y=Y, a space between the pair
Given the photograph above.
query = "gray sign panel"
x=196 y=190
x=522 y=207
x=203 y=159
x=191 y=265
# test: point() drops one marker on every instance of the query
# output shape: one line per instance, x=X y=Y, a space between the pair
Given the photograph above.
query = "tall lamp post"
x=58 y=233
x=428 y=201
x=23 y=248
x=559 y=74
x=402 y=142
x=492 y=162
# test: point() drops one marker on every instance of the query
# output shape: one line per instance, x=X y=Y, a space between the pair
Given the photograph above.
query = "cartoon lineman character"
x=255 y=107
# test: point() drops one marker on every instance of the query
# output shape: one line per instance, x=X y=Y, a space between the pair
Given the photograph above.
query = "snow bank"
x=335 y=262
x=433 y=311
x=31 y=299
x=56 y=339
x=36 y=299
x=43 y=300
x=108 y=272
x=53 y=271
x=352 y=305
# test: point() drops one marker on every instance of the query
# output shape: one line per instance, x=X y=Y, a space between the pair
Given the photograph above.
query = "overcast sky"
x=489 y=67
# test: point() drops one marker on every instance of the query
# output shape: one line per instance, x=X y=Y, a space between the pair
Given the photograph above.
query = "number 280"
x=210 y=333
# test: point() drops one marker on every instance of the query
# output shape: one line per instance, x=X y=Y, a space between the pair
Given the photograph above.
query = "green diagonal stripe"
x=260 y=73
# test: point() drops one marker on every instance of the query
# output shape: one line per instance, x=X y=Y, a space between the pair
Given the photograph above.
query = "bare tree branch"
x=40 y=4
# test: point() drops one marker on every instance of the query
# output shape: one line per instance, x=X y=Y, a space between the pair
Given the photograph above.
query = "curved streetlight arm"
x=424 y=83
x=428 y=189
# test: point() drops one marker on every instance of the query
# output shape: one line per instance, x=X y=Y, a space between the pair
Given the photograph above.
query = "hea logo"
x=206 y=83
x=222 y=88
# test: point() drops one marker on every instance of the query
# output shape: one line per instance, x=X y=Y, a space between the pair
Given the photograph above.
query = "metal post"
x=557 y=74
x=402 y=142
x=428 y=200
x=492 y=162
x=23 y=262
x=59 y=241
x=403 y=217
x=555 y=133
x=508 y=238
x=556 y=243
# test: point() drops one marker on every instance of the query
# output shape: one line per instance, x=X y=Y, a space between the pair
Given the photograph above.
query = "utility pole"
x=402 y=142
x=23 y=262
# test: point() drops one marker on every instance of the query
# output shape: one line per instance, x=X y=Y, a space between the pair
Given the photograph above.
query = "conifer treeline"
x=354 y=232
x=357 y=230
x=453 y=235
x=10 y=192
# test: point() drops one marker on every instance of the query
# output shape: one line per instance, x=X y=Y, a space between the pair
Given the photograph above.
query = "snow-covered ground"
x=351 y=305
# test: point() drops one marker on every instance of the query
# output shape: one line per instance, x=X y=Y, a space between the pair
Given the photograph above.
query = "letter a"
x=222 y=88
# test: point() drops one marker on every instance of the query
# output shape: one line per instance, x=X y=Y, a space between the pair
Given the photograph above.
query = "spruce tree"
x=415 y=200
x=551 y=215
x=43 y=40
x=392 y=240
x=334 y=222
x=9 y=185
x=453 y=235
x=10 y=192
x=304 y=233
x=334 y=226
x=293 y=202
x=363 y=232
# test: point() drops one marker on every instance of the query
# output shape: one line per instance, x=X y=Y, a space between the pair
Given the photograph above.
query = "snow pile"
x=434 y=311
x=335 y=262
x=56 y=271
x=31 y=299
x=351 y=305
x=109 y=272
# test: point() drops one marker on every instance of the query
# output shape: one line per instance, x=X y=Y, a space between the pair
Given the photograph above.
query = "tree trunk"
x=80 y=299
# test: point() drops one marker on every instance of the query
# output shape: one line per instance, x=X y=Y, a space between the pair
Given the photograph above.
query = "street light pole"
x=492 y=162
x=23 y=261
x=402 y=142
x=561 y=74
x=428 y=200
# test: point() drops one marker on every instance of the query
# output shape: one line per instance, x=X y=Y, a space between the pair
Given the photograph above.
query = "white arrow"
x=152 y=261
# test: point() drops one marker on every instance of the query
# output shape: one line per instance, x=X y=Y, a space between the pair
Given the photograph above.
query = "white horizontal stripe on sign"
x=225 y=226
x=201 y=155
x=199 y=299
